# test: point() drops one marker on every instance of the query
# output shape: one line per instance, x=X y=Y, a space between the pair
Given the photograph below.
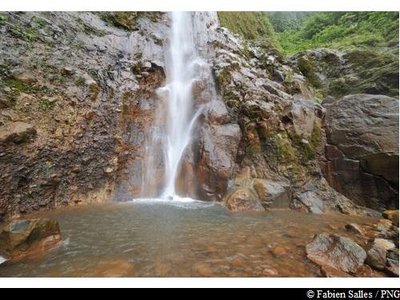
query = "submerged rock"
x=312 y=201
x=329 y=271
x=336 y=252
x=354 y=228
x=243 y=199
x=203 y=269
x=113 y=268
x=23 y=237
x=250 y=193
x=274 y=194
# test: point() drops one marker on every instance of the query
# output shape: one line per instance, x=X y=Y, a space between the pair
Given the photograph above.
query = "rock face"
x=243 y=200
x=392 y=215
x=16 y=132
x=256 y=194
x=23 y=237
x=336 y=252
x=280 y=123
x=217 y=153
x=333 y=73
x=377 y=254
x=362 y=149
x=312 y=201
x=392 y=265
x=76 y=96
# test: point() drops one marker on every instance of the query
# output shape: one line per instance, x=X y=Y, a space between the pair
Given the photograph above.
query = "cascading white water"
x=178 y=107
x=181 y=115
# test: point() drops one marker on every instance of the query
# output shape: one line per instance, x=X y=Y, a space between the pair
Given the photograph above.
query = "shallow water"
x=159 y=238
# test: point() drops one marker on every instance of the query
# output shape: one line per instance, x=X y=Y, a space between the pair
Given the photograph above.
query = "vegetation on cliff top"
x=251 y=26
x=293 y=32
x=301 y=31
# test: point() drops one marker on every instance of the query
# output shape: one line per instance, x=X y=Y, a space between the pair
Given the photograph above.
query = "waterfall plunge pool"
x=154 y=237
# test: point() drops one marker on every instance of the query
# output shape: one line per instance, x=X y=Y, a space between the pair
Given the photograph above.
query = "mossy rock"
x=307 y=148
x=250 y=26
x=18 y=86
x=356 y=71
x=309 y=70
x=128 y=19
x=123 y=19
x=224 y=75
x=371 y=58
x=284 y=149
x=373 y=74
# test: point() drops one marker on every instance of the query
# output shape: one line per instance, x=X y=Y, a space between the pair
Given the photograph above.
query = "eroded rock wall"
x=362 y=151
x=82 y=84
x=78 y=98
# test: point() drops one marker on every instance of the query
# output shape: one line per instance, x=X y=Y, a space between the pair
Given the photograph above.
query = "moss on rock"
x=128 y=19
x=309 y=70
x=251 y=26
x=123 y=19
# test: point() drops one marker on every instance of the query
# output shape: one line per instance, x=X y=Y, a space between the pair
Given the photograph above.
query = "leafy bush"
x=339 y=30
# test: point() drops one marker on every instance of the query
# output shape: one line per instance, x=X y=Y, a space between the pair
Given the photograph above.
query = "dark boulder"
x=362 y=151
x=23 y=237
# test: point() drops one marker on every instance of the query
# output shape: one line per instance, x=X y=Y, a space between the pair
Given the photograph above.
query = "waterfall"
x=180 y=76
x=177 y=109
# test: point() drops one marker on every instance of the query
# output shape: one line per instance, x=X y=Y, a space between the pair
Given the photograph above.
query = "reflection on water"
x=159 y=238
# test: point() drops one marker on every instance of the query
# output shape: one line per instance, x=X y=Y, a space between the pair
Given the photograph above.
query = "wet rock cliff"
x=78 y=97
x=71 y=86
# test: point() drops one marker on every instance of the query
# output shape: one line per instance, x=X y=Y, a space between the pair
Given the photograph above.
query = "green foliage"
x=287 y=20
x=38 y=22
x=31 y=35
x=251 y=26
x=306 y=148
x=20 y=86
x=80 y=81
x=223 y=76
x=340 y=30
x=308 y=69
x=3 y=17
x=46 y=105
